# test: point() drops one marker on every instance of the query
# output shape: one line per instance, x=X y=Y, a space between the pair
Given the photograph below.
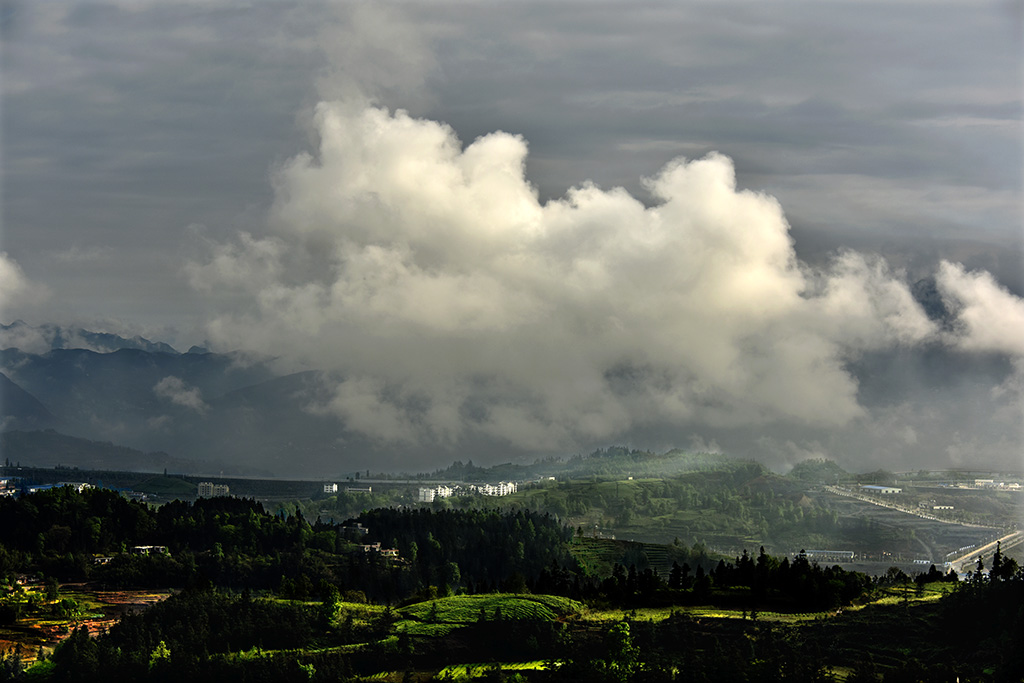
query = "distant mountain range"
x=47 y=337
x=22 y=408
x=226 y=412
x=47 y=448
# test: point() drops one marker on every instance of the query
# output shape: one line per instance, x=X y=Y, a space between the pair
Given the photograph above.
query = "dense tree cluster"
x=737 y=499
x=236 y=543
x=766 y=582
x=991 y=606
x=478 y=550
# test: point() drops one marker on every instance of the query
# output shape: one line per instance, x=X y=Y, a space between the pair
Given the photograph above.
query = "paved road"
x=902 y=508
x=969 y=560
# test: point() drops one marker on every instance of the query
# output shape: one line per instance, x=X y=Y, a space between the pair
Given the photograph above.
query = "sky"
x=553 y=225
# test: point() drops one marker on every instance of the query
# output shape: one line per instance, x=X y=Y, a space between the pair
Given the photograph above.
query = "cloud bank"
x=14 y=286
x=178 y=392
x=451 y=303
x=990 y=319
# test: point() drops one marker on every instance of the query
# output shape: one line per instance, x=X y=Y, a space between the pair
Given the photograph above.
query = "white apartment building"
x=207 y=489
x=428 y=495
x=502 y=488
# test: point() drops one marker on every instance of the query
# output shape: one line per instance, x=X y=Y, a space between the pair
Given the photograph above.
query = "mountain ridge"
x=36 y=338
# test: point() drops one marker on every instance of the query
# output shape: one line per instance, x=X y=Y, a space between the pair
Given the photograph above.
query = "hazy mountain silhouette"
x=20 y=334
x=20 y=409
x=48 y=448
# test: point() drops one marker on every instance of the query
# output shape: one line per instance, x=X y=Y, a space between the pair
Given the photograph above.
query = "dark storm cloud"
x=125 y=124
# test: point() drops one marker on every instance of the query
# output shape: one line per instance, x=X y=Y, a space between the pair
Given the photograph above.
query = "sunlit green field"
x=464 y=609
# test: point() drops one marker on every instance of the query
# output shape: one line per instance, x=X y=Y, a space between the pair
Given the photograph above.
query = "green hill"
x=433 y=617
x=167 y=486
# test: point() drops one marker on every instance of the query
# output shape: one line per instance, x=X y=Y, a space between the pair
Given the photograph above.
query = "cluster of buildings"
x=370 y=548
x=503 y=488
x=333 y=488
x=993 y=484
x=8 y=487
x=149 y=550
x=16 y=486
x=207 y=489
x=383 y=552
x=826 y=555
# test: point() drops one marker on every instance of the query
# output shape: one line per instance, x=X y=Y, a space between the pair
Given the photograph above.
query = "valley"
x=472 y=591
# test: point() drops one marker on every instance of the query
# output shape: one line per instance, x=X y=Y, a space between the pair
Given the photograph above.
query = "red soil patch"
x=114 y=605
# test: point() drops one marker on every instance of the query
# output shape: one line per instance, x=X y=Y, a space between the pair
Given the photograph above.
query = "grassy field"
x=885 y=611
x=608 y=615
x=473 y=672
x=439 y=617
x=465 y=609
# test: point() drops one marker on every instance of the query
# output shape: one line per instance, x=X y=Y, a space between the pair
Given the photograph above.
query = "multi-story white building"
x=330 y=488
x=207 y=489
x=76 y=485
x=502 y=488
x=428 y=495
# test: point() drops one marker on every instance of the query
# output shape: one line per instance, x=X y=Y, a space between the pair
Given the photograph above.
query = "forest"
x=274 y=596
x=730 y=505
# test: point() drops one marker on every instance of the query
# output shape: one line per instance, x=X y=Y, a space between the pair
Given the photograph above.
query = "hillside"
x=49 y=449
x=20 y=409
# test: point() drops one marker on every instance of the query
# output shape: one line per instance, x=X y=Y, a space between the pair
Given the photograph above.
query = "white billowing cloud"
x=452 y=301
x=989 y=317
x=14 y=286
x=868 y=306
x=178 y=392
x=26 y=338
